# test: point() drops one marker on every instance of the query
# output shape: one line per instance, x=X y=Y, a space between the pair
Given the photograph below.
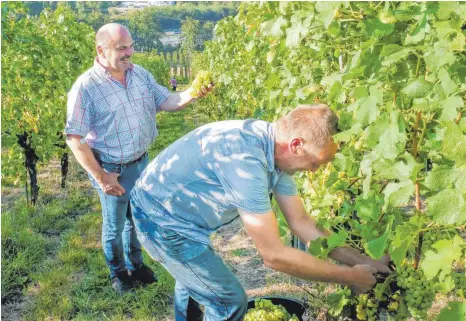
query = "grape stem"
x=458 y=118
x=353 y=182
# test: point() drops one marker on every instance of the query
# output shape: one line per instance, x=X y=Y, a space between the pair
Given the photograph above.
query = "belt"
x=137 y=160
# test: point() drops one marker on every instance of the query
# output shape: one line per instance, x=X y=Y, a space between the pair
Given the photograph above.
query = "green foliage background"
x=41 y=58
x=395 y=73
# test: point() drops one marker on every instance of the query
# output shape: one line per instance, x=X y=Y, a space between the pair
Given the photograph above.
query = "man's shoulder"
x=87 y=79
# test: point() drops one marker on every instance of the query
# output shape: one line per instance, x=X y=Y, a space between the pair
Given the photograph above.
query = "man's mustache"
x=125 y=57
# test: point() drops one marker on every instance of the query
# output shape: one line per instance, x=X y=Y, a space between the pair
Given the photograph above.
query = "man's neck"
x=120 y=76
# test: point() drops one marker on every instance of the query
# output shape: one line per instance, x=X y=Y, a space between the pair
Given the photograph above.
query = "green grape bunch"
x=366 y=308
x=203 y=79
x=418 y=292
x=265 y=310
x=460 y=280
x=432 y=236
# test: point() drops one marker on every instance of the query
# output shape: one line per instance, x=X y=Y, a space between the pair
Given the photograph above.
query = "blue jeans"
x=121 y=246
x=200 y=274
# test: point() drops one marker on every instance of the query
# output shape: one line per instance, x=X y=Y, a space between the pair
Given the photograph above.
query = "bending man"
x=225 y=169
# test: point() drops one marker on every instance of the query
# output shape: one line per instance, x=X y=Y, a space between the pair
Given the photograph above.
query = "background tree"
x=190 y=33
x=41 y=58
x=145 y=29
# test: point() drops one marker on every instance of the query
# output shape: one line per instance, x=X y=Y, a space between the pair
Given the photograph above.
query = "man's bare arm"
x=305 y=227
x=108 y=182
x=263 y=230
x=178 y=101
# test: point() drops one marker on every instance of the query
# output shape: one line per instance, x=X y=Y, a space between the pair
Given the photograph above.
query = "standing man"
x=173 y=83
x=226 y=169
x=110 y=126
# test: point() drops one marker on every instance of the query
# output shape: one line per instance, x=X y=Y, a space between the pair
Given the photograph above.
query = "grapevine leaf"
x=447 y=285
x=347 y=135
x=454 y=143
x=441 y=261
x=337 y=301
x=396 y=56
x=376 y=28
x=417 y=88
x=407 y=168
x=335 y=89
x=404 y=234
x=326 y=11
x=359 y=92
x=448 y=85
x=273 y=28
x=398 y=193
x=444 y=177
x=419 y=33
x=337 y=239
x=450 y=107
x=447 y=207
x=376 y=129
x=319 y=247
x=377 y=247
x=421 y=104
x=454 y=311
x=438 y=56
x=298 y=30
x=367 y=208
x=391 y=142
x=343 y=163
x=366 y=169
x=390 y=49
x=368 y=111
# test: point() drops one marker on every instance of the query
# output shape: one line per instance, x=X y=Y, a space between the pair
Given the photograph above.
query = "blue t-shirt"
x=198 y=183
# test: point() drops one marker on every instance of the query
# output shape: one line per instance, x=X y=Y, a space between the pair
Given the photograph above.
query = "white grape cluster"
x=265 y=310
x=419 y=293
x=366 y=309
x=432 y=236
x=203 y=79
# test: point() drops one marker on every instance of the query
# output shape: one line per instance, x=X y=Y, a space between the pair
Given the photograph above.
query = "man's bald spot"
x=107 y=33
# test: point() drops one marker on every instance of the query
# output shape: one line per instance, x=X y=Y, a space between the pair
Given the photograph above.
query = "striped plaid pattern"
x=119 y=122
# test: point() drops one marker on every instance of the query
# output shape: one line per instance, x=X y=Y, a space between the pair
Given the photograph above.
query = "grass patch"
x=173 y=125
x=76 y=286
x=239 y=252
x=52 y=253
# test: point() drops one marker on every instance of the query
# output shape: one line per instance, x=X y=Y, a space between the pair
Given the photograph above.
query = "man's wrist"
x=346 y=276
x=99 y=176
x=185 y=97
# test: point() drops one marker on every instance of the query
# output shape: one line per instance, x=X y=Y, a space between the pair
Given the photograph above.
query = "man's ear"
x=295 y=145
x=100 y=51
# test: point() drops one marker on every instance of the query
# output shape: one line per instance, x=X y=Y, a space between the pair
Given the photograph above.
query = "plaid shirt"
x=118 y=122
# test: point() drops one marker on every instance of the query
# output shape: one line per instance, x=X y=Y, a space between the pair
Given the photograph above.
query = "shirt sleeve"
x=79 y=111
x=286 y=185
x=245 y=181
x=161 y=93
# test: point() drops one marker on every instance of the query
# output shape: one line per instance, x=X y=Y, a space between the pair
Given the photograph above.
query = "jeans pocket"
x=111 y=168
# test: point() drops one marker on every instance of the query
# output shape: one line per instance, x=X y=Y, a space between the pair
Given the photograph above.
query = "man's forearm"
x=348 y=256
x=85 y=157
x=303 y=265
x=307 y=231
x=177 y=101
